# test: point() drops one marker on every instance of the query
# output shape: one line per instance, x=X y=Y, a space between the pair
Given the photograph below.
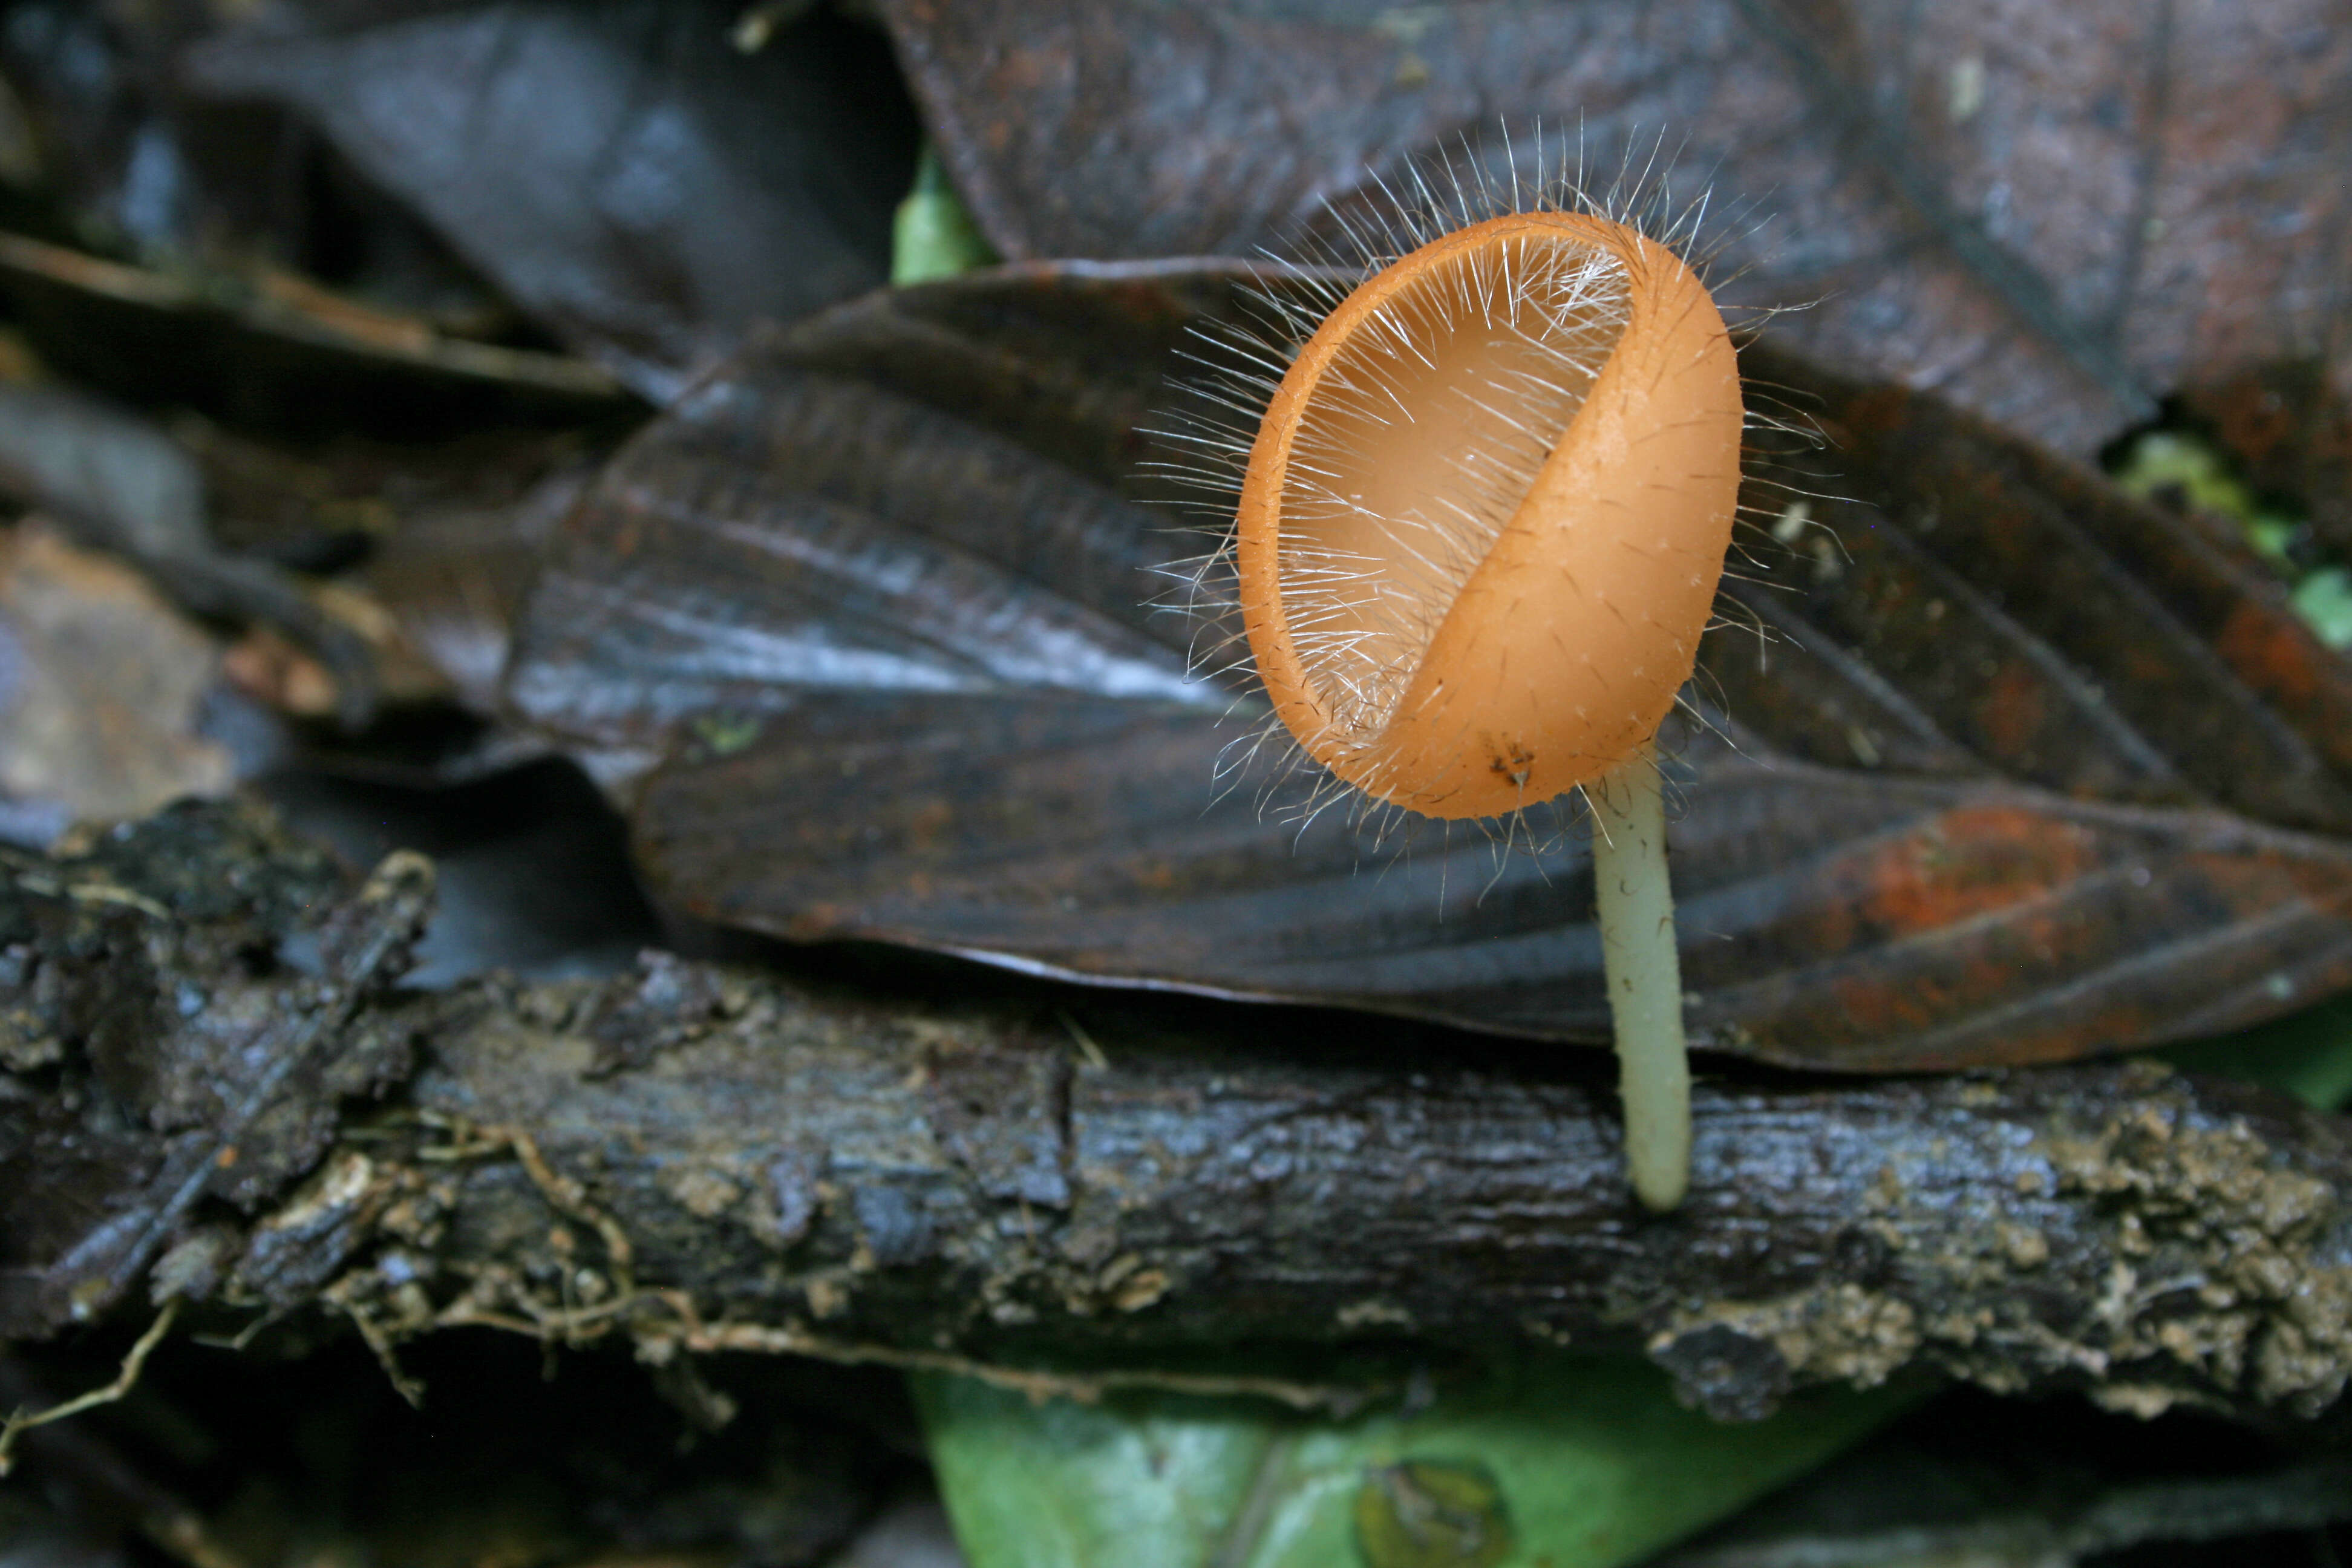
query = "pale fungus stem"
x=1636 y=911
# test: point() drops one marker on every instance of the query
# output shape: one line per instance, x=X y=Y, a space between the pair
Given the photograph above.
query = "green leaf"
x=2186 y=462
x=2307 y=1055
x=1566 y=1462
x=2182 y=460
x=2324 y=600
x=933 y=236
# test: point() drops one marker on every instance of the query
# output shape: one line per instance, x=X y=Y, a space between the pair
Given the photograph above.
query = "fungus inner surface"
x=1421 y=439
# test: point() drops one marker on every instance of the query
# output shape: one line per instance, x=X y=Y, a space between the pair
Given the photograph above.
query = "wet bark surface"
x=209 y=1094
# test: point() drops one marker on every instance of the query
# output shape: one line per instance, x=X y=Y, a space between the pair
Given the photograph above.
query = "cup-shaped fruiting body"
x=1486 y=510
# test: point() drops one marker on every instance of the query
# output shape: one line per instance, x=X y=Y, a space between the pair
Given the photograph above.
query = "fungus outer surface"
x=1487 y=511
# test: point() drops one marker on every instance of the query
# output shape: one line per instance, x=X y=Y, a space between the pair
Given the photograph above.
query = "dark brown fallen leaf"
x=421 y=550
x=700 y=1159
x=880 y=595
x=124 y=483
x=878 y=537
x=318 y=507
x=2047 y=214
x=452 y=578
x=622 y=171
x=430 y=547
x=2025 y=609
x=1828 y=919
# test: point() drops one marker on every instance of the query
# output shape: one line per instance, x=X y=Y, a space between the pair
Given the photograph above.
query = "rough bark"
x=707 y=1158
x=918 y=1178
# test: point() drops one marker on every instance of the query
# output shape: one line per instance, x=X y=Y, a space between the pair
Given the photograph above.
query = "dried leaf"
x=451 y=579
x=152 y=338
x=102 y=686
x=2026 y=769
x=2046 y=214
x=872 y=539
x=1833 y=920
x=2026 y=609
x=622 y=171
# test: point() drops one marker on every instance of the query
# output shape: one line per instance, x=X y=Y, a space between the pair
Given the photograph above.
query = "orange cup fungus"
x=1478 y=538
x=1486 y=512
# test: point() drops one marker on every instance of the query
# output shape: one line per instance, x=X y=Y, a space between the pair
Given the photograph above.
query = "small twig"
x=107 y=893
x=693 y=1334
x=243 y=1336
x=93 y=893
x=1086 y=1046
x=1085 y=1388
x=124 y=1380
x=380 y=1343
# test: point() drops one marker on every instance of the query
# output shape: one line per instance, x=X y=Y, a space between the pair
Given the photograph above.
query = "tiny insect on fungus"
x=1478 y=538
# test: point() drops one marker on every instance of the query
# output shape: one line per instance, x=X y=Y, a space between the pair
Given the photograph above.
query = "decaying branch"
x=709 y=1159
